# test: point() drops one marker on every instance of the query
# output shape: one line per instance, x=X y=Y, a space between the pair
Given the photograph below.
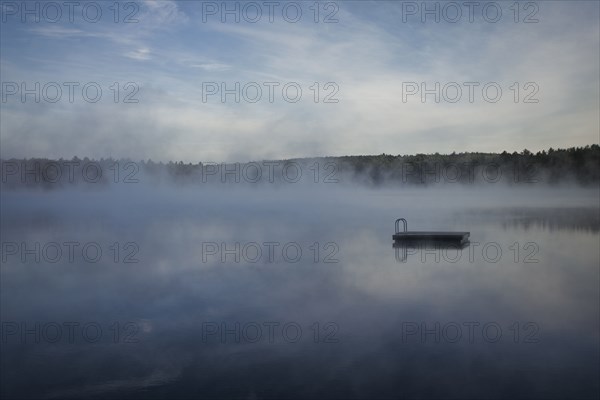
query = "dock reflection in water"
x=403 y=249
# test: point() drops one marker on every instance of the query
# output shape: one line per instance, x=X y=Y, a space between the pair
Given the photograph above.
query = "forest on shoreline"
x=576 y=165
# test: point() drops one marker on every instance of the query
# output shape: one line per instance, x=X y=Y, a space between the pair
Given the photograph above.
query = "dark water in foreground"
x=298 y=293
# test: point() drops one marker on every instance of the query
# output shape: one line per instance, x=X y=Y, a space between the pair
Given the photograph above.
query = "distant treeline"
x=579 y=165
x=576 y=165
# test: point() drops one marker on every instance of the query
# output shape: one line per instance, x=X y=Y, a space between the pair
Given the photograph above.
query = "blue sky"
x=369 y=54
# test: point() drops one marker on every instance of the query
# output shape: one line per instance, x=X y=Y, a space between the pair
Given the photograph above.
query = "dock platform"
x=459 y=237
x=428 y=236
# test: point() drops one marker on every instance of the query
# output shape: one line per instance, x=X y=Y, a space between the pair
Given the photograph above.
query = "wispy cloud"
x=140 y=54
x=59 y=31
x=162 y=12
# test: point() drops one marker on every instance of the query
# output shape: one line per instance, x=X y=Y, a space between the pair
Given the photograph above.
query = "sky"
x=181 y=80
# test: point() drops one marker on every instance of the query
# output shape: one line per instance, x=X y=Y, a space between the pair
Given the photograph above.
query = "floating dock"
x=424 y=236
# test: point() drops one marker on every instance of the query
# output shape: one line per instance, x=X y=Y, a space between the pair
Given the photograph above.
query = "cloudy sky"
x=360 y=67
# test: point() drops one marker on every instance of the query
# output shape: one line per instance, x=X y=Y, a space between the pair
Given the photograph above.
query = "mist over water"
x=273 y=287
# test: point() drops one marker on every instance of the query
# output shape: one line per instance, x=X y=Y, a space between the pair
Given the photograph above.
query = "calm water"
x=298 y=292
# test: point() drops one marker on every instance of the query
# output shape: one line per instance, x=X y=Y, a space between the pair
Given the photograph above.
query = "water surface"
x=184 y=313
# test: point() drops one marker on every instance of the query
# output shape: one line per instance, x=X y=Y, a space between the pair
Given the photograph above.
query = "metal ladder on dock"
x=397 y=225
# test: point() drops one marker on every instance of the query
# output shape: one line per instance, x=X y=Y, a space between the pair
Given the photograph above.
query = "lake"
x=294 y=292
